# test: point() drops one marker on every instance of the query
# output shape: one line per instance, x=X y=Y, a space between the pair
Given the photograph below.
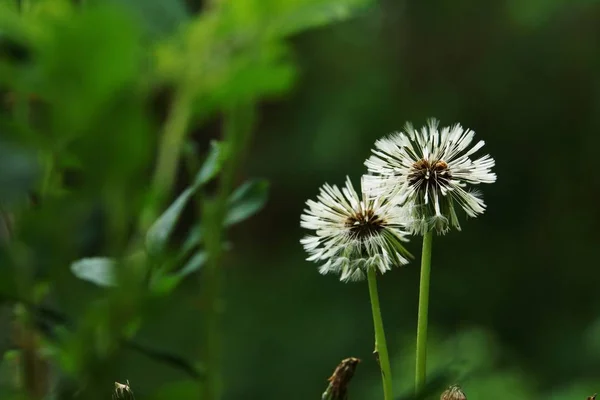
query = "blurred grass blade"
x=159 y=18
x=193 y=239
x=247 y=200
x=213 y=164
x=97 y=270
x=159 y=232
x=310 y=14
x=194 y=264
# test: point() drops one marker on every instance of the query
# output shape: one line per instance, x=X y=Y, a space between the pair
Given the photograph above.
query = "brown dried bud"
x=453 y=393
x=592 y=397
x=338 y=382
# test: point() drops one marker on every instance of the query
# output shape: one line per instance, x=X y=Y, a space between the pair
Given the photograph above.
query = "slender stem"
x=169 y=151
x=238 y=122
x=172 y=142
x=47 y=176
x=380 y=344
x=421 y=358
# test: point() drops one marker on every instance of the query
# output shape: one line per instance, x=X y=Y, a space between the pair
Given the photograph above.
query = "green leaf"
x=97 y=270
x=193 y=239
x=194 y=264
x=159 y=232
x=165 y=283
x=87 y=60
x=158 y=17
x=247 y=200
x=282 y=18
x=213 y=164
x=18 y=173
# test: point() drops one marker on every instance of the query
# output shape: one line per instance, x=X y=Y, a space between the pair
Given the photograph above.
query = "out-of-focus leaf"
x=192 y=240
x=85 y=75
x=88 y=59
x=163 y=284
x=166 y=283
x=247 y=200
x=213 y=164
x=18 y=173
x=194 y=264
x=237 y=53
x=159 y=17
x=159 y=232
x=282 y=18
x=97 y=270
x=314 y=13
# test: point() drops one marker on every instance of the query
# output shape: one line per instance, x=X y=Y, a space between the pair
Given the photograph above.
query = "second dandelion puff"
x=353 y=233
x=432 y=167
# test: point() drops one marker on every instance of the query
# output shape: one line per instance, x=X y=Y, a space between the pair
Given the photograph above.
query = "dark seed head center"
x=364 y=224
x=431 y=173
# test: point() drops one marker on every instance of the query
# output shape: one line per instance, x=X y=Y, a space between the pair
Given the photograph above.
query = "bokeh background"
x=523 y=75
x=515 y=304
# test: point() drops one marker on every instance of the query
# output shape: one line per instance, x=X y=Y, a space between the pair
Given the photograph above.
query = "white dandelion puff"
x=352 y=233
x=432 y=167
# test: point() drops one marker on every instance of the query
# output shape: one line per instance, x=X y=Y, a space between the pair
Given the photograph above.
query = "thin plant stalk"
x=380 y=343
x=421 y=358
x=33 y=367
x=169 y=153
x=171 y=143
x=238 y=122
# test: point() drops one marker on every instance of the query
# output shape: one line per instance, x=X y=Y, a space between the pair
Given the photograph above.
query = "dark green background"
x=527 y=81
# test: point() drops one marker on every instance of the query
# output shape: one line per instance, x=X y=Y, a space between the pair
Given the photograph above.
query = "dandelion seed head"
x=433 y=168
x=352 y=234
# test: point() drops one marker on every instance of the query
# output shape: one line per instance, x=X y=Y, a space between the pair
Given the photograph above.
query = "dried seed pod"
x=454 y=392
x=338 y=382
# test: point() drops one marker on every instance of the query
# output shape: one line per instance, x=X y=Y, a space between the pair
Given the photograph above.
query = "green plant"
x=92 y=172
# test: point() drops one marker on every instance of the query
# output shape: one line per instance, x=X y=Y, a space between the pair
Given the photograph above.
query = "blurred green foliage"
x=88 y=90
x=81 y=85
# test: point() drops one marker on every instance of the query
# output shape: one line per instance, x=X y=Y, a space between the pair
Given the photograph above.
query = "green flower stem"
x=380 y=344
x=421 y=358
